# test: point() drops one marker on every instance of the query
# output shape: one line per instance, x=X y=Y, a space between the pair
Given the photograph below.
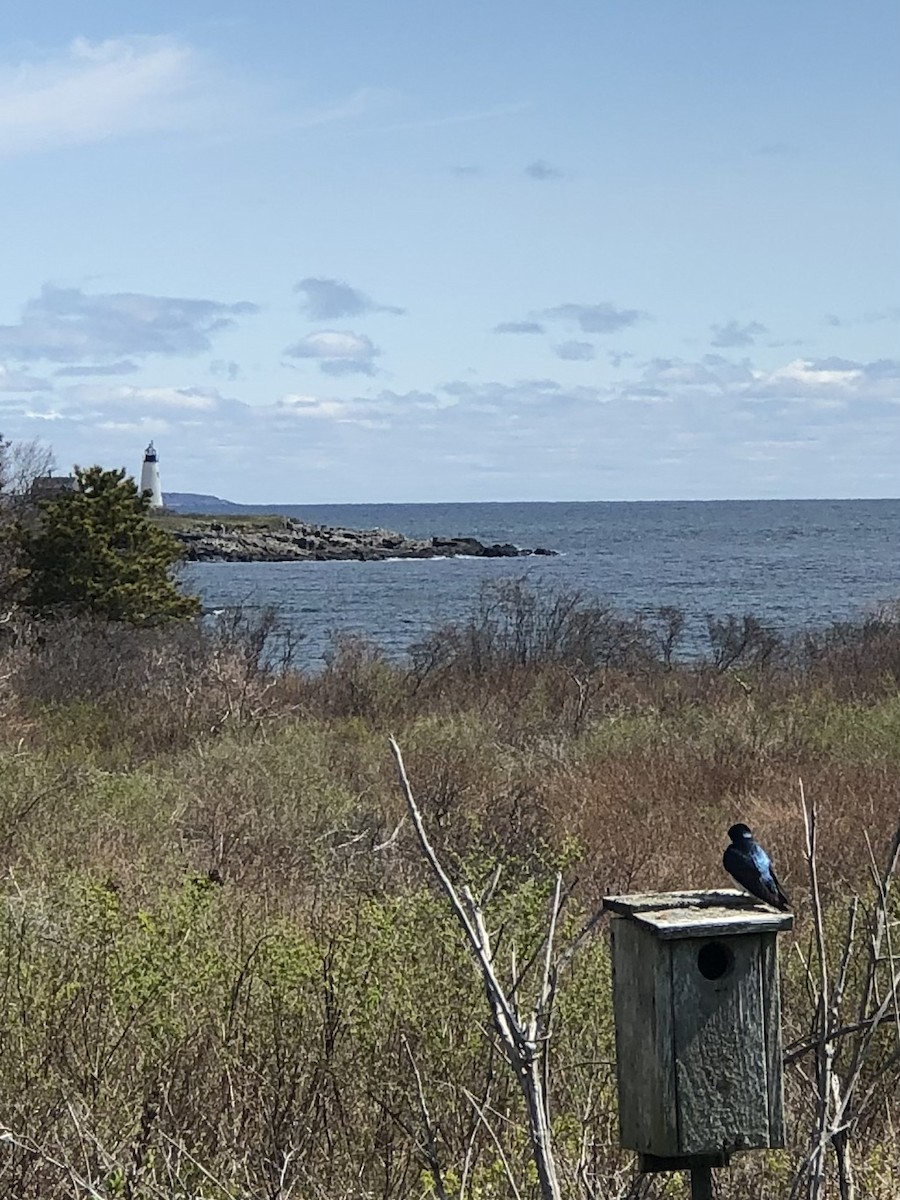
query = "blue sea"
x=793 y=563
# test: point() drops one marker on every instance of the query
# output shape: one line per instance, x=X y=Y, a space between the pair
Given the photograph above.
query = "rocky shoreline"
x=294 y=541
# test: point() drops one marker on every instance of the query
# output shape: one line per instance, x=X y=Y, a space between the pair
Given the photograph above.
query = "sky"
x=371 y=251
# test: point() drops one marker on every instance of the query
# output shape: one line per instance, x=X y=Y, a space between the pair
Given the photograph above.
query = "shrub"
x=517 y=624
x=96 y=550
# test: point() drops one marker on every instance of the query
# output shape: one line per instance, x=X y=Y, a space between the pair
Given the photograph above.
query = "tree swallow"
x=747 y=862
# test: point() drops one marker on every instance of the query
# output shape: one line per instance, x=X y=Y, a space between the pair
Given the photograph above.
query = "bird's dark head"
x=738 y=834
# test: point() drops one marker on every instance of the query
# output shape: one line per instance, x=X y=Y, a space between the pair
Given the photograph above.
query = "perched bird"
x=747 y=862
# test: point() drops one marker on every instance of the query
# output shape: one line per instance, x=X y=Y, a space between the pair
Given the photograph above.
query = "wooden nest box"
x=698 y=1025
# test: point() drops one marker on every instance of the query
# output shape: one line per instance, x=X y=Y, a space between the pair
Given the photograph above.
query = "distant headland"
x=215 y=530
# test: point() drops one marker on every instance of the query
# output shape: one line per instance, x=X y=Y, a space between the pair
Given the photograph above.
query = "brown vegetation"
x=224 y=971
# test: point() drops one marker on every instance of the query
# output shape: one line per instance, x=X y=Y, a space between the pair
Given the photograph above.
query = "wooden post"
x=701 y=1183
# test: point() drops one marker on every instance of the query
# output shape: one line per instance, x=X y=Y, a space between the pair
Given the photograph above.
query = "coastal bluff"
x=285 y=539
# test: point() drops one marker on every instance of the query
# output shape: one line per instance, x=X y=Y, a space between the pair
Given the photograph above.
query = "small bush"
x=518 y=624
x=96 y=551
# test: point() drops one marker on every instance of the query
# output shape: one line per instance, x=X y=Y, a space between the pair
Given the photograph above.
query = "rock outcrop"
x=295 y=541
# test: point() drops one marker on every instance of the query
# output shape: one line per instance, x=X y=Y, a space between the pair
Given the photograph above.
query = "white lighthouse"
x=150 y=477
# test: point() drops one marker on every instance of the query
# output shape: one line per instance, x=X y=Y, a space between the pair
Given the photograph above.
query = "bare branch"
x=493 y=1134
x=431 y=1154
x=524 y=1041
x=391 y=841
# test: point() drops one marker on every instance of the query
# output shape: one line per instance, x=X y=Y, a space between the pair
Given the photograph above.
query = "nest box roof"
x=699 y=914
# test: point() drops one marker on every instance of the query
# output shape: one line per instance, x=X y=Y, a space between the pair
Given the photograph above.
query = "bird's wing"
x=761 y=860
x=767 y=871
x=782 y=894
x=745 y=870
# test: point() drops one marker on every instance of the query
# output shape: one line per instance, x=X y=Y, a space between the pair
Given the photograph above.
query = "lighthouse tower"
x=150 y=477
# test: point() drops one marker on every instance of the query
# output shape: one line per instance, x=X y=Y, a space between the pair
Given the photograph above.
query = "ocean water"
x=791 y=563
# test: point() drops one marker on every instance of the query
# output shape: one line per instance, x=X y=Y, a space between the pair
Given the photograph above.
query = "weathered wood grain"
x=774 y=1056
x=699 y=914
x=720 y=1047
x=698 y=1058
x=714 y=922
x=642 y=993
x=630 y=903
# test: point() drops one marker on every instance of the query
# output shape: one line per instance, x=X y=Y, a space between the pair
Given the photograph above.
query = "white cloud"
x=315 y=406
x=519 y=327
x=574 y=351
x=809 y=374
x=329 y=299
x=189 y=399
x=67 y=325
x=831 y=382
x=595 y=318
x=98 y=90
x=649 y=431
x=673 y=371
x=123 y=367
x=732 y=333
x=642 y=393
x=525 y=394
x=227 y=367
x=49 y=414
x=338 y=352
x=332 y=344
x=17 y=381
x=819 y=383
x=120 y=406
x=144 y=425
x=129 y=86
x=368 y=411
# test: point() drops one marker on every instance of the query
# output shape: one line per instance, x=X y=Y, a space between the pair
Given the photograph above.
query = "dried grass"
x=162 y=1033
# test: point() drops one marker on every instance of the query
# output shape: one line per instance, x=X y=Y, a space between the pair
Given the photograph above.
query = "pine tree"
x=96 y=550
